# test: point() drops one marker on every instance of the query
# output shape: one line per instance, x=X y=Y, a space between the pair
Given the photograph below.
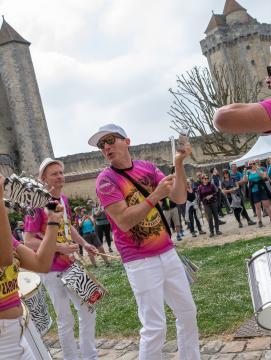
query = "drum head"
x=264 y=317
x=27 y=281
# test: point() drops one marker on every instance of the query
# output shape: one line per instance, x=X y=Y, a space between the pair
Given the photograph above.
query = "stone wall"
x=160 y=153
x=82 y=169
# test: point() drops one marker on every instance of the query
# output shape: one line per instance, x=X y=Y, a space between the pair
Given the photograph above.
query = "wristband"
x=148 y=201
x=53 y=223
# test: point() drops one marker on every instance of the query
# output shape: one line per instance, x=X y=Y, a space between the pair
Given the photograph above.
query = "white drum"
x=259 y=276
x=34 y=297
x=85 y=285
x=32 y=338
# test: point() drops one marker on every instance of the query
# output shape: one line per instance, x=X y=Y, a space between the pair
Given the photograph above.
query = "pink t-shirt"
x=37 y=225
x=149 y=237
x=267 y=105
x=9 y=295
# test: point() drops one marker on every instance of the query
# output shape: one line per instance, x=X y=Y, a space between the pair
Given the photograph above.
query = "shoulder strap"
x=145 y=193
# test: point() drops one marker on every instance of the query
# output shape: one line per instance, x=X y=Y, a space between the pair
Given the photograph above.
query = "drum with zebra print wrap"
x=25 y=194
x=84 y=284
x=34 y=297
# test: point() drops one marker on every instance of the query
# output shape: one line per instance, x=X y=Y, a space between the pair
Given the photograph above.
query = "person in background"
x=256 y=178
x=87 y=226
x=236 y=175
x=51 y=172
x=198 y=181
x=18 y=232
x=221 y=198
x=269 y=168
x=232 y=190
x=102 y=226
x=171 y=214
x=191 y=210
x=208 y=196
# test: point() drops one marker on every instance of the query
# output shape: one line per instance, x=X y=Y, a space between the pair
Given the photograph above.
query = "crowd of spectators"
x=92 y=224
x=211 y=195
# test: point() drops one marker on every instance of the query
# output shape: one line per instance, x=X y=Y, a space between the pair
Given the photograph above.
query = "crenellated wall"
x=159 y=153
x=82 y=169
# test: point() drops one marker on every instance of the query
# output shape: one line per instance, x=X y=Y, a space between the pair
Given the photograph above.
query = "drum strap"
x=65 y=217
x=145 y=193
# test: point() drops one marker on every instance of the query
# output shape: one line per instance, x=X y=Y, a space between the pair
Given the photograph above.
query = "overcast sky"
x=102 y=61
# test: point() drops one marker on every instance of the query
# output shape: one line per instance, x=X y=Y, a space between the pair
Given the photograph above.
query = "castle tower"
x=234 y=37
x=24 y=136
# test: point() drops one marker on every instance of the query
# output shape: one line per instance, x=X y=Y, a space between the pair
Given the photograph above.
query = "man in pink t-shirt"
x=51 y=172
x=142 y=238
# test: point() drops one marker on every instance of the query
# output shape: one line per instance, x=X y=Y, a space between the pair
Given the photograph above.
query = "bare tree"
x=199 y=93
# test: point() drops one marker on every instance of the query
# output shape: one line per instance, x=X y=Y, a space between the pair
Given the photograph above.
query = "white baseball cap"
x=105 y=130
x=46 y=162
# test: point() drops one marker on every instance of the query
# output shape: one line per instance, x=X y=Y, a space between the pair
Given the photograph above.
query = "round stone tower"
x=24 y=136
x=234 y=37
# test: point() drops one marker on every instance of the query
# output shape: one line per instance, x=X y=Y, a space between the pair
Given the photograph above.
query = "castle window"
x=248 y=47
x=252 y=62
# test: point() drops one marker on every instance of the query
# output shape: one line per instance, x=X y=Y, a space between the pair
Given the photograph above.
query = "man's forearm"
x=32 y=242
x=133 y=215
x=179 y=189
x=77 y=237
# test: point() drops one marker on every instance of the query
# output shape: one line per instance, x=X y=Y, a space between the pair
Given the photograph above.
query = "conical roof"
x=216 y=20
x=231 y=6
x=8 y=34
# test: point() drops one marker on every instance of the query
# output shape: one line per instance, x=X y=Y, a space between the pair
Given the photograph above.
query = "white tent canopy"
x=259 y=151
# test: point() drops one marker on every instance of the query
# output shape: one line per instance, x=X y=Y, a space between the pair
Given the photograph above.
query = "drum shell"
x=259 y=275
x=33 y=296
x=79 y=281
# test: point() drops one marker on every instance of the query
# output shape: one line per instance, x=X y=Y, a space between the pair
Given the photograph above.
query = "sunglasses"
x=110 y=140
x=205 y=178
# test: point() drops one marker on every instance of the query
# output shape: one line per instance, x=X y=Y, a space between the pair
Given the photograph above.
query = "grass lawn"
x=221 y=293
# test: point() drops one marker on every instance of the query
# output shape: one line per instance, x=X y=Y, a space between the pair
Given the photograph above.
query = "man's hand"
x=164 y=187
x=90 y=249
x=66 y=248
x=56 y=215
x=182 y=153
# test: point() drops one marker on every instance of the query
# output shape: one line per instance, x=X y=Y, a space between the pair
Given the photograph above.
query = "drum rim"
x=257 y=313
x=25 y=296
x=259 y=253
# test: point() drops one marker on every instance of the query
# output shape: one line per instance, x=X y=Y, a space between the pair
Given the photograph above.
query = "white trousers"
x=61 y=297
x=13 y=345
x=159 y=279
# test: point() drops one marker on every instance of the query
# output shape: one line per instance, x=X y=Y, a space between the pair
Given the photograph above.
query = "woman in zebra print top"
x=14 y=255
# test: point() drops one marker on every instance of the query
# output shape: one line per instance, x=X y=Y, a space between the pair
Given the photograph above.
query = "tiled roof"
x=8 y=34
x=231 y=6
x=216 y=20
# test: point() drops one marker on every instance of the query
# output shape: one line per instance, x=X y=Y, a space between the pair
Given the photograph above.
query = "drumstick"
x=107 y=255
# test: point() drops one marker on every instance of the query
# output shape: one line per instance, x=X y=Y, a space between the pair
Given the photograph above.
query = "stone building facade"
x=234 y=37
x=24 y=136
